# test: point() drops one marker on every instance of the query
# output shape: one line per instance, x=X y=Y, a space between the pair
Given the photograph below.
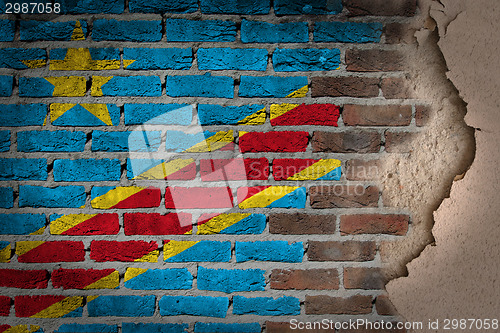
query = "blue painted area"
x=7 y=30
x=132 y=86
x=347 y=32
x=87 y=170
x=165 y=58
x=241 y=7
x=204 y=251
x=21 y=224
x=92 y=6
x=295 y=199
x=75 y=313
x=122 y=306
x=181 y=30
x=87 y=328
x=194 y=306
x=6 y=197
x=293 y=60
x=154 y=328
x=335 y=174
x=35 y=87
x=13 y=57
x=298 y=7
x=4 y=141
x=23 y=169
x=56 y=141
x=4 y=244
x=79 y=116
x=253 y=224
x=270 y=86
x=57 y=197
x=263 y=32
x=161 y=279
x=98 y=191
x=200 y=86
x=231 y=280
x=227 y=328
x=163 y=6
x=46 y=30
x=209 y=114
x=129 y=31
x=105 y=53
x=266 y=306
x=126 y=141
x=237 y=59
x=6 y=83
x=179 y=141
x=158 y=114
x=279 y=251
x=135 y=167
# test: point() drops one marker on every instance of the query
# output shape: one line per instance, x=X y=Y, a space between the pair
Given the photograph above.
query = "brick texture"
x=341 y=251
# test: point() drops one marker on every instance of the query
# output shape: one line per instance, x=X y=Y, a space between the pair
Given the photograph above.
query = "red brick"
x=343 y=196
x=301 y=224
x=344 y=86
x=363 y=278
x=373 y=60
x=397 y=33
x=5 y=303
x=24 y=279
x=157 y=224
x=27 y=306
x=341 y=251
x=422 y=115
x=322 y=304
x=284 y=327
x=102 y=251
x=362 y=169
x=316 y=279
x=374 y=330
x=391 y=224
x=400 y=142
x=198 y=197
x=377 y=115
x=312 y=114
x=381 y=7
x=285 y=141
x=79 y=278
x=346 y=142
x=234 y=169
x=384 y=306
x=57 y=251
x=396 y=88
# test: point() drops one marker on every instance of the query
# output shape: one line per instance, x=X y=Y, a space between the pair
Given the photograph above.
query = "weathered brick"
x=301 y=224
x=273 y=86
x=373 y=60
x=129 y=141
x=18 y=58
x=223 y=327
x=181 y=30
x=48 y=306
x=363 y=278
x=55 y=197
x=21 y=224
x=234 y=169
x=231 y=224
x=266 y=306
x=7 y=30
x=230 y=280
x=206 y=141
x=158 y=279
x=263 y=32
x=84 y=224
x=175 y=169
x=71 y=328
x=150 y=59
x=62 y=114
x=315 y=279
x=4 y=141
x=254 y=114
x=16 y=115
x=286 y=327
x=297 y=7
x=145 y=86
x=341 y=251
x=235 y=59
x=85 y=279
x=148 y=328
x=84 y=59
x=301 y=114
x=280 y=251
x=306 y=169
x=344 y=86
x=45 y=30
x=300 y=60
x=391 y=224
x=400 y=142
x=23 y=169
x=196 y=251
x=163 y=6
x=5 y=303
x=422 y=115
x=354 y=305
x=158 y=114
x=24 y=279
x=45 y=252
x=380 y=7
x=86 y=170
x=373 y=330
x=205 y=306
x=47 y=141
x=396 y=88
x=271 y=197
x=344 y=196
x=200 y=86
x=283 y=141
x=198 y=197
x=93 y=7
x=6 y=84
x=62 y=86
x=346 y=142
x=253 y=7
x=128 y=251
x=157 y=224
x=384 y=306
x=377 y=115
x=121 y=306
x=130 y=31
x=6 y=197
x=347 y=32
x=5 y=251
x=357 y=169
x=398 y=33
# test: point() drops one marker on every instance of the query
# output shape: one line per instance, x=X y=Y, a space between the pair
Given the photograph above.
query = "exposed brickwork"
x=341 y=251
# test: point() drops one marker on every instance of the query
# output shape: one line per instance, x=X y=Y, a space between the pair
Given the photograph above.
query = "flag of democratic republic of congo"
x=306 y=169
x=84 y=224
x=107 y=197
x=271 y=197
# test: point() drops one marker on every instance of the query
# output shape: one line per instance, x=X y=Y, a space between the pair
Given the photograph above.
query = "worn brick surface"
x=321 y=279
x=377 y=115
x=300 y=224
x=341 y=251
x=353 y=305
x=344 y=86
x=373 y=60
x=346 y=142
